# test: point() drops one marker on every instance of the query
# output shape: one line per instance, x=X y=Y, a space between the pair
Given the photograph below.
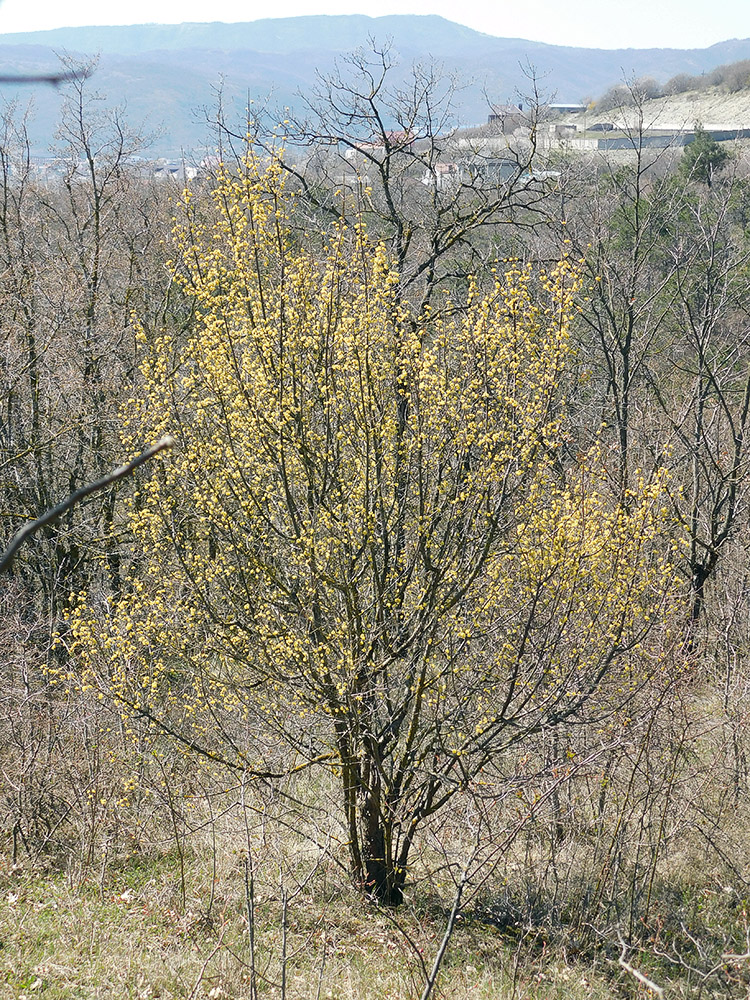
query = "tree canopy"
x=369 y=552
x=703 y=157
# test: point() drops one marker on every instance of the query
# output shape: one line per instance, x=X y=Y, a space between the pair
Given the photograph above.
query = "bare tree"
x=376 y=141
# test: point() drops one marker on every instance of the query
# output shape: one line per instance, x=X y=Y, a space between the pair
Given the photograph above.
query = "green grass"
x=119 y=909
x=129 y=936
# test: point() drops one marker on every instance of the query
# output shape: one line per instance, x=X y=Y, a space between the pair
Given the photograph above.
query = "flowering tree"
x=366 y=545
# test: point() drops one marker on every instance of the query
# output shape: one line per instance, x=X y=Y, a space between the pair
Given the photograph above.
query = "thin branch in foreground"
x=55 y=79
x=432 y=978
x=55 y=513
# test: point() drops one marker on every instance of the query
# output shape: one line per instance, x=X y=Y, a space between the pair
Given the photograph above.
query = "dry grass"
x=129 y=936
x=148 y=898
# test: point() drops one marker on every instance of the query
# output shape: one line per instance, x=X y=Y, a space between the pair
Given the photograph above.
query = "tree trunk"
x=375 y=870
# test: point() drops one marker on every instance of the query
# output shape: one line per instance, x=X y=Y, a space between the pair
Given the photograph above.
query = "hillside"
x=714 y=108
x=163 y=73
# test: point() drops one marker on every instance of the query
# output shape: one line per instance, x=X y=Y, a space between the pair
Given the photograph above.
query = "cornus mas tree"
x=364 y=546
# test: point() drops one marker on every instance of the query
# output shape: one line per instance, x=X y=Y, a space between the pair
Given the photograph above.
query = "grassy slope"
x=714 y=108
x=129 y=935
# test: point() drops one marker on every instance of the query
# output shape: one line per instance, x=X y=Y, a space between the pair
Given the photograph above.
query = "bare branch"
x=55 y=513
x=55 y=79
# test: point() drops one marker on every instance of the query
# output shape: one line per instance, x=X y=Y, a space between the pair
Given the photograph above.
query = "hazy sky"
x=599 y=23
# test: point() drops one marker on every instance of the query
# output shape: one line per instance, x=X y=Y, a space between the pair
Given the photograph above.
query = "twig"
x=648 y=983
x=384 y=911
x=322 y=964
x=284 y=924
x=429 y=985
x=55 y=513
x=249 y=894
x=205 y=965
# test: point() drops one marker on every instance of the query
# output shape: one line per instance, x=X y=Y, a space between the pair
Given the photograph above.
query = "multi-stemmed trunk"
x=378 y=857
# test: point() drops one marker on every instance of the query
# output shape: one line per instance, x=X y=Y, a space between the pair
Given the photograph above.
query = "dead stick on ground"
x=648 y=983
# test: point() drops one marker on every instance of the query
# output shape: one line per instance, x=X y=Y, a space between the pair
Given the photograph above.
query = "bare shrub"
x=679 y=84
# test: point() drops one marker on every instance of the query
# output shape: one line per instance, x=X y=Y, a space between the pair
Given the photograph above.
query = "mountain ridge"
x=291 y=34
x=162 y=72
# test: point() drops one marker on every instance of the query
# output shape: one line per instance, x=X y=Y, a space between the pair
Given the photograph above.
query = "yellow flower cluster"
x=366 y=532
